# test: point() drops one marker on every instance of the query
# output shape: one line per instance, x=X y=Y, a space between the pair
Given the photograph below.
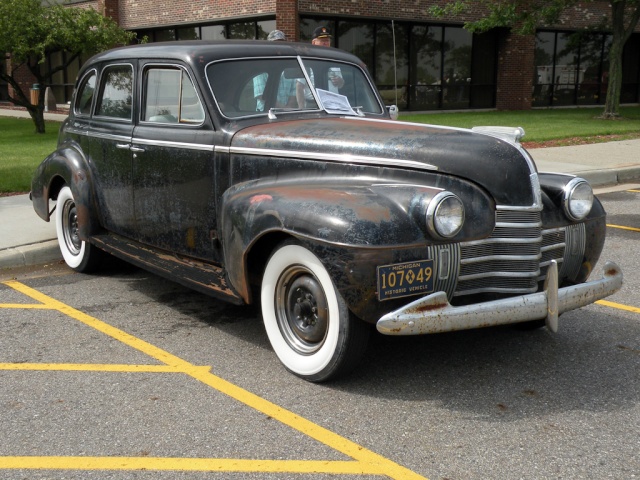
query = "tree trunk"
x=621 y=33
x=614 y=87
x=37 y=114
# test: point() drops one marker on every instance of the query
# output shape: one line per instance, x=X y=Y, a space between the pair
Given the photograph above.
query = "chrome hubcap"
x=301 y=310
x=70 y=228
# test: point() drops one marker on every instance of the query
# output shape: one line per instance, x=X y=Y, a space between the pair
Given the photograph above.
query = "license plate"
x=405 y=279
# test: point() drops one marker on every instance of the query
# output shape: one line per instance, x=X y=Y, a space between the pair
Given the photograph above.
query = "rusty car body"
x=197 y=161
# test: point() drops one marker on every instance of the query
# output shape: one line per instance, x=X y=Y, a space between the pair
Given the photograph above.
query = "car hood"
x=499 y=166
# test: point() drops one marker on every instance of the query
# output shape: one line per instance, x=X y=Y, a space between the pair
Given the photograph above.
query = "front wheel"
x=307 y=321
x=78 y=254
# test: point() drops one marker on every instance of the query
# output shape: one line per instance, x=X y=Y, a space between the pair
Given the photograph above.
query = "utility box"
x=50 y=103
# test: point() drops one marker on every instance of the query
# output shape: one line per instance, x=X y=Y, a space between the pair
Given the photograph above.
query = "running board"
x=203 y=277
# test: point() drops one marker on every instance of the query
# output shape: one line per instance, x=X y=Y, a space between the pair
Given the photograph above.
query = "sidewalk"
x=25 y=239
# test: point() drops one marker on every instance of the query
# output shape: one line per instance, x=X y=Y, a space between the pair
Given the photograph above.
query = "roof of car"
x=208 y=51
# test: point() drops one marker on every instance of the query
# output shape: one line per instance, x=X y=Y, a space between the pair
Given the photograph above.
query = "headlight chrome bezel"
x=434 y=223
x=570 y=195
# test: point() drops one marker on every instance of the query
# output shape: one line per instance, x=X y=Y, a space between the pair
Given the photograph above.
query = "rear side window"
x=85 y=94
x=170 y=97
x=116 y=92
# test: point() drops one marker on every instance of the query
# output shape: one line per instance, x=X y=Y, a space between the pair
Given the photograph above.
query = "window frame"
x=81 y=85
x=143 y=95
x=102 y=85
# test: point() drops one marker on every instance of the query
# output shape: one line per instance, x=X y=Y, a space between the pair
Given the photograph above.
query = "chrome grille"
x=515 y=257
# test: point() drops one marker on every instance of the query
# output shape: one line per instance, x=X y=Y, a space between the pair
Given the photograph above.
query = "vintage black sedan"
x=272 y=172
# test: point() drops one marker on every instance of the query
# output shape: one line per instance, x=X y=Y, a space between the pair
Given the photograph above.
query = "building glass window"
x=630 y=92
x=189 y=33
x=357 y=38
x=425 y=89
x=165 y=35
x=567 y=72
x=242 y=31
x=263 y=29
x=437 y=67
x=590 y=70
x=213 y=32
x=543 y=72
x=392 y=63
x=484 y=67
x=573 y=69
x=457 y=68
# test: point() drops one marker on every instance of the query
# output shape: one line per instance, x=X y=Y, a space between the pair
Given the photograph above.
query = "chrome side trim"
x=162 y=143
x=106 y=136
x=332 y=157
x=434 y=313
x=143 y=141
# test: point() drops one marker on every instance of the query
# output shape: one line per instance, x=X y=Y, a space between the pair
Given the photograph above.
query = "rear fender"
x=66 y=166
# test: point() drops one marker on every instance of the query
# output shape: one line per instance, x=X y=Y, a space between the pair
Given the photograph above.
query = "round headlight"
x=445 y=215
x=577 y=199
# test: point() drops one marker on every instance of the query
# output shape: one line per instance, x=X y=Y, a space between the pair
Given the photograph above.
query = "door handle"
x=123 y=146
x=136 y=149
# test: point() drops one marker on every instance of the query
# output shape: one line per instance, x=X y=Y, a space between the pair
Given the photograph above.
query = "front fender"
x=337 y=212
x=67 y=165
x=553 y=216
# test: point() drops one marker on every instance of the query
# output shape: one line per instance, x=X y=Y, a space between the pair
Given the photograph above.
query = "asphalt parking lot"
x=126 y=375
x=160 y=371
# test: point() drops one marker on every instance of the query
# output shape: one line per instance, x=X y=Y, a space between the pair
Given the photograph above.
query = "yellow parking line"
x=624 y=228
x=91 y=367
x=187 y=464
x=619 y=306
x=634 y=191
x=25 y=306
x=367 y=461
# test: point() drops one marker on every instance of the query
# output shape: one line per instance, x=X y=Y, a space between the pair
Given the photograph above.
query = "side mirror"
x=393 y=112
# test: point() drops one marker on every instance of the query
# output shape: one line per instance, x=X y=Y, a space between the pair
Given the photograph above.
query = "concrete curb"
x=34 y=254
x=609 y=177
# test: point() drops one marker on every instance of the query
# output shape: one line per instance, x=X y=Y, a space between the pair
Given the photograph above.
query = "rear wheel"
x=78 y=254
x=307 y=321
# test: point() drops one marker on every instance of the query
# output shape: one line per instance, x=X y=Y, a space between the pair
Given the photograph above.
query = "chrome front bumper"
x=434 y=313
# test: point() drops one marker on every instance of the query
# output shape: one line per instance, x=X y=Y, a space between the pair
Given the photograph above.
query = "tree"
x=524 y=16
x=31 y=31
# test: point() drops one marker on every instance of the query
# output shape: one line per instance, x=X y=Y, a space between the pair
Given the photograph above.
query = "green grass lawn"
x=21 y=150
x=542 y=125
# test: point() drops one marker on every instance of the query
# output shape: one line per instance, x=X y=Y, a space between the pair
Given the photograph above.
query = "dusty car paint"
x=206 y=202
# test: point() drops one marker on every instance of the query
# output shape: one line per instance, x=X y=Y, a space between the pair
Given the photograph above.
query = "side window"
x=170 y=97
x=116 y=92
x=85 y=93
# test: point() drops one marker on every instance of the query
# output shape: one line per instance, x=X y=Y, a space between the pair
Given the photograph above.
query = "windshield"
x=253 y=87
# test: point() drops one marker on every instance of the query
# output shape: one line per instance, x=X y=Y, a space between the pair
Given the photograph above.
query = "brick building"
x=417 y=61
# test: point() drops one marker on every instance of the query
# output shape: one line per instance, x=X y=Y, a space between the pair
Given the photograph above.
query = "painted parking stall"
x=363 y=461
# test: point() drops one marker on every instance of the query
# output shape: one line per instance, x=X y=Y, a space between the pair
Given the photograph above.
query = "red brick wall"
x=287 y=18
x=584 y=14
x=515 y=64
x=417 y=10
x=23 y=77
x=136 y=14
x=515 y=71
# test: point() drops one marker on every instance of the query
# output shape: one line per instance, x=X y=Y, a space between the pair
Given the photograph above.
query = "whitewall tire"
x=307 y=321
x=78 y=254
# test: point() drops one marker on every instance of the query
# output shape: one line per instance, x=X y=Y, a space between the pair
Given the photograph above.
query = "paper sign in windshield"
x=335 y=103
